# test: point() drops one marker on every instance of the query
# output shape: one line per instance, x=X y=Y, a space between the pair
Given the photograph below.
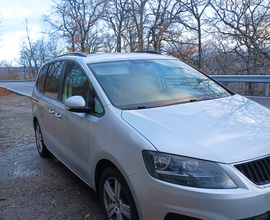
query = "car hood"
x=226 y=130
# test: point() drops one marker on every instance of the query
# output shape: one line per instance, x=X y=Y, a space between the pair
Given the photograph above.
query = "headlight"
x=186 y=171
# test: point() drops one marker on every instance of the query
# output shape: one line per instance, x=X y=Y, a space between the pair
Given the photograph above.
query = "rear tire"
x=115 y=196
x=42 y=149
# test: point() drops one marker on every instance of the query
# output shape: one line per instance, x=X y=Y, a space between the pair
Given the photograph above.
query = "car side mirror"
x=76 y=104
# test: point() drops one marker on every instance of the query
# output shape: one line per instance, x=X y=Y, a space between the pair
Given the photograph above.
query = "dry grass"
x=4 y=91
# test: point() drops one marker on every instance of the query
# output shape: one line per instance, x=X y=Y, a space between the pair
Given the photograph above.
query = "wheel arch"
x=100 y=167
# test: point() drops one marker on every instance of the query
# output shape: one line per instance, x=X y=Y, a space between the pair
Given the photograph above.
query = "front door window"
x=75 y=82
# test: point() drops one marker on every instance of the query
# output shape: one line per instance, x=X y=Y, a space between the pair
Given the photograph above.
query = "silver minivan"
x=155 y=137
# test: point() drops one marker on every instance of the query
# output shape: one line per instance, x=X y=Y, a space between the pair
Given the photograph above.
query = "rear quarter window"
x=41 y=78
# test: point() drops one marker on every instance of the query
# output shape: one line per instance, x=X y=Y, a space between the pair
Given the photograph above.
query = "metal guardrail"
x=245 y=78
x=25 y=80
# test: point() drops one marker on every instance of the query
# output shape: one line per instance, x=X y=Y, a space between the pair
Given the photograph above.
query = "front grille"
x=257 y=171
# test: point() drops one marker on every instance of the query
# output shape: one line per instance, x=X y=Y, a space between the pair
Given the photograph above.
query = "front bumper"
x=158 y=198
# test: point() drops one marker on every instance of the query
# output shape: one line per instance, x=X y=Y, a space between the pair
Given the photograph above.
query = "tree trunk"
x=118 y=46
x=200 y=66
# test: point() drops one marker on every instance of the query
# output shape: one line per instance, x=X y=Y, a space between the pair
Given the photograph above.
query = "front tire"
x=42 y=150
x=115 y=196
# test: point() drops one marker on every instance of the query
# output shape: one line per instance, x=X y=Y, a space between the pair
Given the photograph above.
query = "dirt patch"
x=4 y=91
x=32 y=187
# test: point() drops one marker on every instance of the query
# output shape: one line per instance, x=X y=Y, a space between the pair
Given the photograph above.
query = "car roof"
x=107 y=57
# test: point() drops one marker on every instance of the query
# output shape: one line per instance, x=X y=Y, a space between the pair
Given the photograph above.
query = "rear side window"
x=52 y=79
x=41 y=77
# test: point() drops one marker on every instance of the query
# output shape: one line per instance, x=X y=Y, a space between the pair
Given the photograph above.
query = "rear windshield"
x=139 y=84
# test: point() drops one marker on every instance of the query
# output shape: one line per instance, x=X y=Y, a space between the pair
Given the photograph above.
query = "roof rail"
x=79 y=54
x=148 y=51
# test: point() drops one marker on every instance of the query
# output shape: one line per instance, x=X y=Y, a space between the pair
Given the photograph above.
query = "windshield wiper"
x=135 y=107
x=156 y=106
x=186 y=101
x=141 y=107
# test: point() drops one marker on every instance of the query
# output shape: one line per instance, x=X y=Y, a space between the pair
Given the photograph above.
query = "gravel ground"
x=32 y=187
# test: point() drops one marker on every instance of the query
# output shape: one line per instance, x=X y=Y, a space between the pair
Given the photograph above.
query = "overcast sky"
x=13 y=14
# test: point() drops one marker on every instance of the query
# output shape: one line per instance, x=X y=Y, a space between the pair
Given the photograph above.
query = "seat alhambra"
x=155 y=137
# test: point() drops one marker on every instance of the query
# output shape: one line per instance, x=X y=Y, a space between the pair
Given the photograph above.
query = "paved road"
x=25 y=88
x=262 y=100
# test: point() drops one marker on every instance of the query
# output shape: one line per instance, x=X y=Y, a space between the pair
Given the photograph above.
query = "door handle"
x=57 y=115
x=51 y=111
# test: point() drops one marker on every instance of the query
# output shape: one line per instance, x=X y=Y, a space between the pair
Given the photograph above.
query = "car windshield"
x=137 y=84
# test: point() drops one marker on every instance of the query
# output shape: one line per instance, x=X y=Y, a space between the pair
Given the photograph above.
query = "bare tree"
x=123 y=19
x=74 y=19
x=217 y=36
x=181 y=47
x=115 y=15
x=162 y=17
x=192 y=17
x=28 y=53
x=34 y=53
x=8 y=71
x=137 y=10
x=94 y=42
x=61 y=23
x=221 y=60
x=130 y=35
x=247 y=25
x=108 y=42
